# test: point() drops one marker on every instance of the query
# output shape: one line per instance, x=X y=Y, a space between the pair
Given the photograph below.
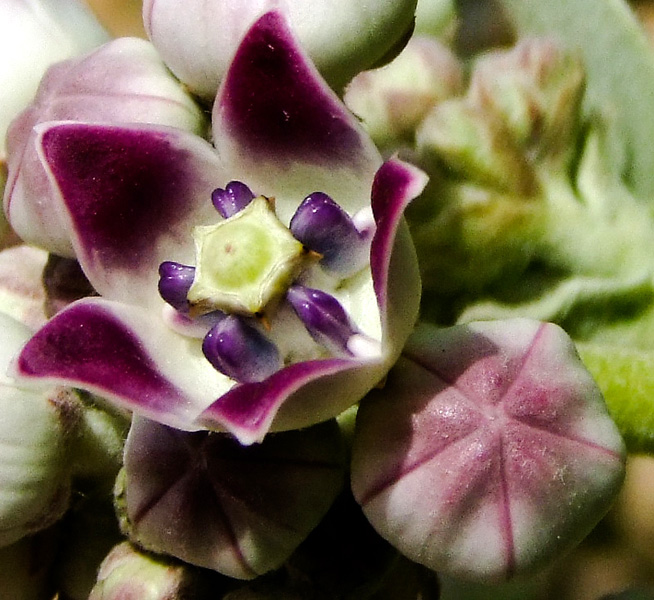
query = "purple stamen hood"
x=129 y=196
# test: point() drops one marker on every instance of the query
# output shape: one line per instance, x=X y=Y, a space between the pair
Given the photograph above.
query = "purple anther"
x=323 y=226
x=241 y=351
x=234 y=198
x=323 y=316
x=175 y=281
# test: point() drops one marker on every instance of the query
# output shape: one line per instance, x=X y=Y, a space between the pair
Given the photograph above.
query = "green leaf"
x=626 y=378
x=620 y=67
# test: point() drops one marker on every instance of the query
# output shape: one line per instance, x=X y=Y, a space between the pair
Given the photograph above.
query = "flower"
x=131 y=198
x=198 y=42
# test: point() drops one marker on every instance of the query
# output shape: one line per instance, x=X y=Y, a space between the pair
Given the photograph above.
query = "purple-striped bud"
x=234 y=198
x=323 y=316
x=323 y=226
x=240 y=350
x=175 y=281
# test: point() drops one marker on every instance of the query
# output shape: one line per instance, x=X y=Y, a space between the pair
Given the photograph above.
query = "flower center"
x=250 y=262
x=245 y=263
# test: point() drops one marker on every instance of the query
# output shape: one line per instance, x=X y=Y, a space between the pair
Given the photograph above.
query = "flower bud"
x=475 y=145
x=198 y=43
x=393 y=100
x=498 y=453
x=240 y=510
x=33 y=36
x=123 y=81
x=34 y=470
x=469 y=239
x=127 y=572
x=535 y=89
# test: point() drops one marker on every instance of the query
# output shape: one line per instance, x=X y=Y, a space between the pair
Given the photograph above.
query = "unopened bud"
x=393 y=100
x=497 y=452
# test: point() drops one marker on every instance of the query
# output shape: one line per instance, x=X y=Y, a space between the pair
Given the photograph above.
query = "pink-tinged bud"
x=393 y=100
x=123 y=81
x=489 y=452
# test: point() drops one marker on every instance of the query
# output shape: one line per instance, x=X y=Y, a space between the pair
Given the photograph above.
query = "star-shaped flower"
x=130 y=196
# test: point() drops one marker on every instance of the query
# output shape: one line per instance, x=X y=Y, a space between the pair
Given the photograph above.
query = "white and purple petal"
x=281 y=129
x=130 y=197
x=295 y=397
x=126 y=355
x=393 y=260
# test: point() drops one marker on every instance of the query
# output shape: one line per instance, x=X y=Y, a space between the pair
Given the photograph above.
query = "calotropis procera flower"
x=342 y=37
x=123 y=81
x=128 y=572
x=278 y=307
x=501 y=446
